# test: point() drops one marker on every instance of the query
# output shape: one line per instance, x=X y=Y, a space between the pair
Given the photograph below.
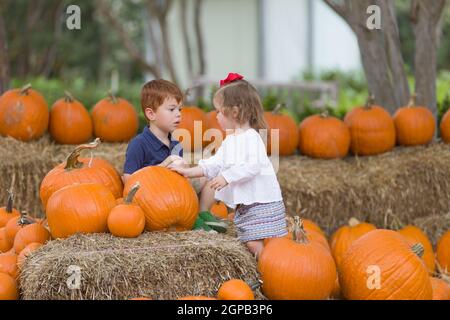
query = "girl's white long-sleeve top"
x=242 y=160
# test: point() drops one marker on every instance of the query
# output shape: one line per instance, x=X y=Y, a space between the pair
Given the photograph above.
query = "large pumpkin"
x=191 y=118
x=414 y=125
x=443 y=253
x=324 y=137
x=79 y=208
x=287 y=132
x=444 y=127
x=414 y=235
x=81 y=170
x=70 y=122
x=115 y=119
x=382 y=265
x=24 y=114
x=296 y=269
x=167 y=198
x=372 y=130
x=342 y=238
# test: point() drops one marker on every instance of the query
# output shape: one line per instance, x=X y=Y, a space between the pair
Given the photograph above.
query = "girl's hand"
x=181 y=170
x=218 y=183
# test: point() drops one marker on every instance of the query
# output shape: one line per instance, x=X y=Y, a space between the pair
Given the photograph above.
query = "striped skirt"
x=259 y=221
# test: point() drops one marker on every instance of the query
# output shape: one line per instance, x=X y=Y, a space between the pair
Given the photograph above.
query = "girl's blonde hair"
x=246 y=98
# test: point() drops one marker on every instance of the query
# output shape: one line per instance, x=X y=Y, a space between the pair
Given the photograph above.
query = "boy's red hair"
x=154 y=93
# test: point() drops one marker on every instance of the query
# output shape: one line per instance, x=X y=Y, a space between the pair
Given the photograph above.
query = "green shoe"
x=201 y=225
x=213 y=222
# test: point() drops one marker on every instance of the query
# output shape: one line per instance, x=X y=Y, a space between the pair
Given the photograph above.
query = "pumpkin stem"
x=278 y=107
x=132 y=193
x=72 y=160
x=256 y=284
x=396 y=223
x=25 y=88
x=68 y=97
x=412 y=100
x=418 y=249
x=325 y=114
x=353 y=222
x=112 y=97
x=25 y=219
x=370 y=101
x=298 y=232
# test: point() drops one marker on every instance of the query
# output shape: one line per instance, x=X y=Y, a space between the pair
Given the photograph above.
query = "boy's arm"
x=125 y=177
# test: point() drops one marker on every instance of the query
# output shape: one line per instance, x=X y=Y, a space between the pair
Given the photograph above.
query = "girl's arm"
x=194 y=172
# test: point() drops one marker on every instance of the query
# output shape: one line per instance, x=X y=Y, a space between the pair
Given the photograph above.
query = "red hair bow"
x=231 y=78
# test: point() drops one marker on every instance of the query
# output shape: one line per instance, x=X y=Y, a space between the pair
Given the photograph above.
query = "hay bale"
x=161 y=265
x=409 y=182
x=31 y=161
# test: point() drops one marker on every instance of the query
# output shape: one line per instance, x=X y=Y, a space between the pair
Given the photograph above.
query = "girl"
x=242 y=175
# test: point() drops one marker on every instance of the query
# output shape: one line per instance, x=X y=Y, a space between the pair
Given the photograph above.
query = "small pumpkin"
x=192 y=118
x=14 y=225
x=235 y=289
x=115 y=119
x=441 y=289
x=8 y=212
x=381 y=265
x=24 y=114
x=168 y=199
x=8 y=287
x=70 y=122
x=414 y=125
x=342 y=238
x=287 y=131
x=324 y=137
x=443 y=253
x=296 y=269
x=372 y=129
x=34 y=232
x=219 y=209
x=79 y=208
x=127 y=220
x=8 y=264
x=81 y=170
x=444 y=127
x=415 y=235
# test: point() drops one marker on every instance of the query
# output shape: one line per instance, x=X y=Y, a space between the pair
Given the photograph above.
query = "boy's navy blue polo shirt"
x=147 y=150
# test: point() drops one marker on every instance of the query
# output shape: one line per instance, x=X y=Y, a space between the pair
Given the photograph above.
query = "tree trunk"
x=4 y=60
x=185 y=32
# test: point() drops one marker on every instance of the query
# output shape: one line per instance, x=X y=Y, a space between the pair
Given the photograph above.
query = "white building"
x=275 y=40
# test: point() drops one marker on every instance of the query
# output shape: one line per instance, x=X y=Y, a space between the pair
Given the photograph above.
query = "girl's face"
x=225 y=122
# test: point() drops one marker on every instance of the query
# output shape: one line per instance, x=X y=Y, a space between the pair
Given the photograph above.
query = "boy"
x=161 y=102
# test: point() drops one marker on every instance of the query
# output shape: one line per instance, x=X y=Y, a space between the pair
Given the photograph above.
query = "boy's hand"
x=218 y=183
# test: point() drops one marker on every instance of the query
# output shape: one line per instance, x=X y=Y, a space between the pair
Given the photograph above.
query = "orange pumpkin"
x=24 y=114
x=34 y=232
x=115 y=119
x=441 y=289
x=81 y=170
x=79 y=208
x=127 y=220
x=5 y=245
x=414 y=125
x=8 y=212
x=70 y=122
x=287 y=132
x=8 y=287
x=8 y=264
x=167 y=199
x=235 y=289
x=309 y=225
x=191 y=118
x=27 y=251
x=443 y=253
x=414 y=235
x=342 y=238
x=382 y=265
x=372 y=130
x=324 y=137
x=444 y=127
x=284 y=264
x=14 y=225
x=336 y=293
x=219 y=209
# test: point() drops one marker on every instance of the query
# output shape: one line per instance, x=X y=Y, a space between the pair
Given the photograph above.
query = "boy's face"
x=168 y=115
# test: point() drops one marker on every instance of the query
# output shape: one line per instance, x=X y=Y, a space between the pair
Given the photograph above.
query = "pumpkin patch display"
x=115 y=119
x=24 y=114
x=372 y=129
x=296 y=269
x=79 y=208
x=168 y=200
x=287 y=132
x=414 y=235
x=81 y=170
x=70 y=122
x=324 y=137
x=382 y=265
x=127 y=220
x=414 y=125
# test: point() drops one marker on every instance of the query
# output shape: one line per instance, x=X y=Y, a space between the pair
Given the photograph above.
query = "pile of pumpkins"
x=24 y=115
